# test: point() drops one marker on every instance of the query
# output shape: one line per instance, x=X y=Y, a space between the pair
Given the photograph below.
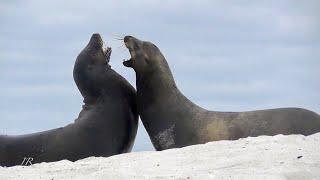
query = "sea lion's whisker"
x=119 y=49
x=117 y=37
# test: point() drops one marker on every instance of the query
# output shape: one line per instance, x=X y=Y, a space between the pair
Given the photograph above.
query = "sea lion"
x=106 y=125
x=173 y=121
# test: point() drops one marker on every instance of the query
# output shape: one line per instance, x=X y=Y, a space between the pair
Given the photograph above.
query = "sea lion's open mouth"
x=105 y=49
x=129 y=62
x=107 y=53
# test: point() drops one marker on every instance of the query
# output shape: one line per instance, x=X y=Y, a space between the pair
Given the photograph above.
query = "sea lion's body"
x=107 y=123
x=173 y=121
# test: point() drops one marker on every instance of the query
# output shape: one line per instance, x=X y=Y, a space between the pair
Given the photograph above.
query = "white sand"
x=262 y=157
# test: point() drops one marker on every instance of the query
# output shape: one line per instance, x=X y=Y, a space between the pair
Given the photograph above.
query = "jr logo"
x=27 y=161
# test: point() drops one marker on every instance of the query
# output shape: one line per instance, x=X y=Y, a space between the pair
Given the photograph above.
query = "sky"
x=225 y=55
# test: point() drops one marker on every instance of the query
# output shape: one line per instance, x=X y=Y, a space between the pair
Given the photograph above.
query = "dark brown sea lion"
x=173 y=121
x=107 y=123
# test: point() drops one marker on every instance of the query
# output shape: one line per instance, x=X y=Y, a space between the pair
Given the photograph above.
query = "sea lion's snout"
x=130 y=43
x=127 y=38
x=144 y=54
x=96 y=35
x=96 y=43
x=96 y=40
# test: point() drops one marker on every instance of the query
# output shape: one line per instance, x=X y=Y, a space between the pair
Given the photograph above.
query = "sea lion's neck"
x=157 y=90
x=162 y=107
x=100 y=87
x=112 y=84
x=156 y=84
x=113 y=88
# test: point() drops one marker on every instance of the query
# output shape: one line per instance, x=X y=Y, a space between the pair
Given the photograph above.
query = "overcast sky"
x=225 y=55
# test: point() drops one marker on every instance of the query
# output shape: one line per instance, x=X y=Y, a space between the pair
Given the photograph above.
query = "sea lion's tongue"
x=128 y=63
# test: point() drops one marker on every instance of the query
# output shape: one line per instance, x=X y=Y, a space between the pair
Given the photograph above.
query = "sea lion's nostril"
x=127 y=38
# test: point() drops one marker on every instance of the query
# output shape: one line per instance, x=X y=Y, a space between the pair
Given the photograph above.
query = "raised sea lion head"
x=90 y=68
x=95 y=53
x=145 y=56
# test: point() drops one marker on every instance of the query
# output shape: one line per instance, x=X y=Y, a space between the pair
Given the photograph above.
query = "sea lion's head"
x=95 y=53
x=91 y=67
x=145 y=56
